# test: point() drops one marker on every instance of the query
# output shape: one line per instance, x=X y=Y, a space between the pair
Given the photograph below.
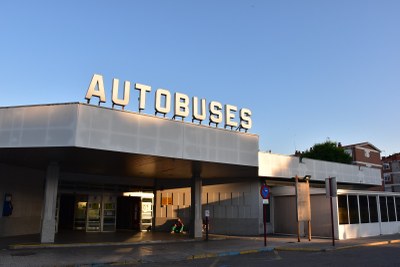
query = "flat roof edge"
x=130 y=112
x=41 y=105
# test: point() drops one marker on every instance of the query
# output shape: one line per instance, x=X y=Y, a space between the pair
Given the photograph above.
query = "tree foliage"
x=328 y=151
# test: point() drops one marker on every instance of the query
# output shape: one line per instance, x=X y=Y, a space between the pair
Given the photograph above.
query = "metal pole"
x=297 y=212
x=206 y=228
x=330 y=198
x=309 y=221
x=265 y=223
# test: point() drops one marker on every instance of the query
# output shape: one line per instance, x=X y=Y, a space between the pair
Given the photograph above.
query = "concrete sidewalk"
x=163 y=247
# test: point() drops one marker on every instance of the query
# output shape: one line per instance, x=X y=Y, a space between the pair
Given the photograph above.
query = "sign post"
x=265 y=193
x=331 y=192
x=207 y=214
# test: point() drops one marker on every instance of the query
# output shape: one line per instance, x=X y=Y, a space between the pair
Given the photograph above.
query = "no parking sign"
x=265 y=193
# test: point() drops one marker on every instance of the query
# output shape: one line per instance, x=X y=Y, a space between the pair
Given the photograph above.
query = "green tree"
x=328 y=151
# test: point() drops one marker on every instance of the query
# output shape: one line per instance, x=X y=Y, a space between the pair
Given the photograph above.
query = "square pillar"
x=50 y=201
x=196 y=207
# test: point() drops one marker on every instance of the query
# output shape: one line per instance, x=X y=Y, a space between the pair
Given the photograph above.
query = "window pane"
x=382 y=204
x=364 y=209
x=373 y=208
x=398 y=208
x=392 y=213
x=353 y=209
x=343 y=215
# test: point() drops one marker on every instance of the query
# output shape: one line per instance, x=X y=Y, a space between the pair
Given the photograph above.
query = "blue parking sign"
x=264 y=191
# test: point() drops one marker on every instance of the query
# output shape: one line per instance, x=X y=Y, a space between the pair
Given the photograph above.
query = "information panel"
x=303 y=202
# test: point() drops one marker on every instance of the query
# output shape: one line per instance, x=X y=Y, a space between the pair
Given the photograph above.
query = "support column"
x=50 y=200
x=155 y=206
x=196 y=207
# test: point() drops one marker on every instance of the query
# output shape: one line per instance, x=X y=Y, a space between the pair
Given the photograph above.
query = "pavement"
x=105 y=249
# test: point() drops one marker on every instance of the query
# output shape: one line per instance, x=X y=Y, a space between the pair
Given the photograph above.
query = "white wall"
x=26 y=187
x=280 y=166
x=348 y=231
x=38 y=126
x=115 y=130
x=82 y=125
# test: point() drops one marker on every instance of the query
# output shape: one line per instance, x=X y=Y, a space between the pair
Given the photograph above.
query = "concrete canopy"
x=102 y=141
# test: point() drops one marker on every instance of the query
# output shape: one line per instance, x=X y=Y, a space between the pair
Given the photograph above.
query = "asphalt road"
x=387 y=255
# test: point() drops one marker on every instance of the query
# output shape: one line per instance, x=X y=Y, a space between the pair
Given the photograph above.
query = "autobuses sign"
x=181 y=104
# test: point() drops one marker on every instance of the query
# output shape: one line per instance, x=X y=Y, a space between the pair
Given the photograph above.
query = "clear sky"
x=308 y=70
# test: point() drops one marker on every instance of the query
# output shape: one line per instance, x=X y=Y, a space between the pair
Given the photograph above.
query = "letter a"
x=97 y=81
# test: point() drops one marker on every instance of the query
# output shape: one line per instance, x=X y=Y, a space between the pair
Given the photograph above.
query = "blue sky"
x=308 y=70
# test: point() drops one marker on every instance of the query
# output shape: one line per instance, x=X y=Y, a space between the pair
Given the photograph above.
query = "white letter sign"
x=127 y=89
x=215 y=112
x=230 y=115
x=162 y=93
x=97 y=81
x=200 y=116
x=245 y=119
x=198 y=110
x=142 y=97
x=181 y=105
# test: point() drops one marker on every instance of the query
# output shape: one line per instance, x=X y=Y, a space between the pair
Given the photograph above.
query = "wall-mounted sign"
x=181 y=104
x=166 y=201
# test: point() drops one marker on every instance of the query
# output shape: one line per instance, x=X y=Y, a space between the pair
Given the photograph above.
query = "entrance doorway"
x=66 y=212
x=285 y=220
x=128 y=213
x=103 y=213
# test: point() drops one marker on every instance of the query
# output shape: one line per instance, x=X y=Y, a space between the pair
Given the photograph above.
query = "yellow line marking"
x=299 y=249
x=248 y=251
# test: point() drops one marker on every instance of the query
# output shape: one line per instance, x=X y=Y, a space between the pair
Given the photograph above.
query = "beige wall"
x=321 y=216
x=26 y=187
x=285 y=216
x=234 y=208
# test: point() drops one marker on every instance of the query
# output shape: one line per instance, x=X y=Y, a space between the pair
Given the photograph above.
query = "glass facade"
x=355 y=209
x=343 y=210
x=364 y=209
x=373 y=209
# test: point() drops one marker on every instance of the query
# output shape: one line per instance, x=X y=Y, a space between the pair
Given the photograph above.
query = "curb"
x=229 y=253
x=100 y=244
x=302 y=249
x=379 y=243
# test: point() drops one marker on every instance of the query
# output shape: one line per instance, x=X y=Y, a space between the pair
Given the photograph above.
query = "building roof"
x=364 y=145
x=395 y=156
x=85 y=138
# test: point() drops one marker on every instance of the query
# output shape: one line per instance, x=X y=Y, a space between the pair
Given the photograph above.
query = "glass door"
x=93 y=214
x=147 y=214
x=109 y=214
x=80 y=212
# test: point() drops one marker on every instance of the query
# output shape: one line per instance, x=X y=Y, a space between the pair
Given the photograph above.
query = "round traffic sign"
x=264 y=191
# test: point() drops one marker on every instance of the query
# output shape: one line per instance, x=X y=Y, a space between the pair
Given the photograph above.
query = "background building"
x=364 y=154
x=391 y=172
